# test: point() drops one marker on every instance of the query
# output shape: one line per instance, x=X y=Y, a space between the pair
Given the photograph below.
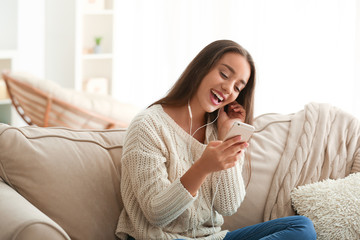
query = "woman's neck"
x=181 y=115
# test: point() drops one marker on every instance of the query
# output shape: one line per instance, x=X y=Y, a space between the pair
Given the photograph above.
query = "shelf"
x=5 y=101
x=97 y=56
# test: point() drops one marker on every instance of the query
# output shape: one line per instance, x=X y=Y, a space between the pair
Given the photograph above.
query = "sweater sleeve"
x=229 y=189
x=145 y=177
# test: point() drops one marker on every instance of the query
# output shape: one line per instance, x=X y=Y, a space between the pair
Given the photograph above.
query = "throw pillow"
x=332 y=205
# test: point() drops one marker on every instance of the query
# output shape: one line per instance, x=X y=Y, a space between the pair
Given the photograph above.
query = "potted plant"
x=97 y=48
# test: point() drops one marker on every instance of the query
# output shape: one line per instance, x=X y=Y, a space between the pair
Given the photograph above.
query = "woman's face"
x=223 y=83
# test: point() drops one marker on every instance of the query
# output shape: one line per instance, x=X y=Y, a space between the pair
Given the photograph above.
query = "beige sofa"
x=58 y=183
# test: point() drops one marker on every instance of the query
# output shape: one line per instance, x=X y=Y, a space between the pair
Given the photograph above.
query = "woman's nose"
x=227 y=86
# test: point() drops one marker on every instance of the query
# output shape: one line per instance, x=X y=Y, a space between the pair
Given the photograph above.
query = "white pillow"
x=332 y=205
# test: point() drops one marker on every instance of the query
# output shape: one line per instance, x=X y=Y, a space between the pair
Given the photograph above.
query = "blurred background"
x=304 y=50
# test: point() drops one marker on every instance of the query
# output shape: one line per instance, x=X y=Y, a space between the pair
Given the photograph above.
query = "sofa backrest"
x=264 y=153
x=70 y=175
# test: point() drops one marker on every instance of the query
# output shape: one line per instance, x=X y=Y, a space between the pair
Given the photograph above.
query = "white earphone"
x=217 y=184
x=190 y=113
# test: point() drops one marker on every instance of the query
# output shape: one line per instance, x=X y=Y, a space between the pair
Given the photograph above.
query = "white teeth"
x=217 y=95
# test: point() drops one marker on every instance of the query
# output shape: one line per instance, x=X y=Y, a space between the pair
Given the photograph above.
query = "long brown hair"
x=189 y=81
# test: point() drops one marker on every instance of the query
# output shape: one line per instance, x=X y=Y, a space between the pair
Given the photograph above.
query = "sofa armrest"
x=20 y=220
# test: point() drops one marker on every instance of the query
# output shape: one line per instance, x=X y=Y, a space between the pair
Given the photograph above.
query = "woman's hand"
x=217 y=156
x=220 y=155
x=235 y=112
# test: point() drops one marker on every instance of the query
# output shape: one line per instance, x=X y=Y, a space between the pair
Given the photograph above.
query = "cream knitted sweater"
x=156 y=153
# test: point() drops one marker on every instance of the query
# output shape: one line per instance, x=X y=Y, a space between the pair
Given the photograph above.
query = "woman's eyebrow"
x=229 y=67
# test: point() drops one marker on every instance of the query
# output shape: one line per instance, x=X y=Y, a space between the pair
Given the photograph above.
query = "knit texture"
x=323 y=142
x=332 y=205
x=156 y=153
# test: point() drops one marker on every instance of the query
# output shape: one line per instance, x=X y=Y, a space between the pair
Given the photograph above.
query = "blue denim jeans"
x=293 y=227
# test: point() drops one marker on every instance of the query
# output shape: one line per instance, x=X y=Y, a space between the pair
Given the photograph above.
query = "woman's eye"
x=223 y=75
x=237 y=88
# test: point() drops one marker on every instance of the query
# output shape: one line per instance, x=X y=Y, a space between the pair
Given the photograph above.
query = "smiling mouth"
x=217 y=96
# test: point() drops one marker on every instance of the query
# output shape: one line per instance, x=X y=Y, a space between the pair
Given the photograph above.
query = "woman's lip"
x=219 y=93
x=214 y=99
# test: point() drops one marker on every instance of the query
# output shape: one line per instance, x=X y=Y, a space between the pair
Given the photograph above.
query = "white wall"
x=42 y=33
x=31 y=37
x=60 y=41
x=304 y=50
x=8 y=24
x=22 y=31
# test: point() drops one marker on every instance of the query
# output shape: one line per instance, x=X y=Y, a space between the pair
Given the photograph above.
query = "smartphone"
x=240 y=128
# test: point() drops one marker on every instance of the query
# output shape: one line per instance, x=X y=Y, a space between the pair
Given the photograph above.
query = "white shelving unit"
x=71 y=29
x=94 y=71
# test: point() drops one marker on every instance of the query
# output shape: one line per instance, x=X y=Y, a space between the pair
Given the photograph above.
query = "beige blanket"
x=323 y=142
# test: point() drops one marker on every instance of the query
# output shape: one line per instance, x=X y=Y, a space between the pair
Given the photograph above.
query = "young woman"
x=178 y=174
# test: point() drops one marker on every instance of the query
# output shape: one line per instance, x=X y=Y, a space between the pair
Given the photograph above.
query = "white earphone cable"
x=216 y=188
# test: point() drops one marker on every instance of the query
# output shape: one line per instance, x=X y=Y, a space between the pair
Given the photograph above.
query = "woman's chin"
x=213 y=109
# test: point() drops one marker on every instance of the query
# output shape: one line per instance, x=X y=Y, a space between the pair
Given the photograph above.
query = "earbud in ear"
x=190 y=114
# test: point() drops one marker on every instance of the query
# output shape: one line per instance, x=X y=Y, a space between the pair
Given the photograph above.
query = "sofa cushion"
x=21 y=220
x=264 y=152
x=332 y=205
x=70 y=175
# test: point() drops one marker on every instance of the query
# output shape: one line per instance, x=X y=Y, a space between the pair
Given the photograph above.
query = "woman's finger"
x=228 y=143
x=231 y=161
x=235 y=149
